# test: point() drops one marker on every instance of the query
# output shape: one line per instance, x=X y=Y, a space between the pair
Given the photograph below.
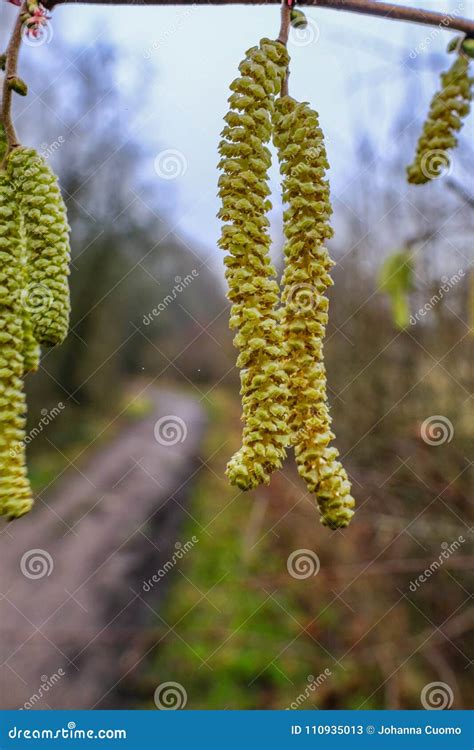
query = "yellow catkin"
x=448 y=108
x=253 y=290
x=46 y=296
x=31 y=348
x=15 y=491
x=303 y=163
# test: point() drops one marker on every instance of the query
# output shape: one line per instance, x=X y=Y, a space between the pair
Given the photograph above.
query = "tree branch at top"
x=390 y=11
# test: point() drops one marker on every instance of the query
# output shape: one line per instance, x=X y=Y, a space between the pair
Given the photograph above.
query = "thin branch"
x=390 y=11
x=12 y=53
x=283 y=38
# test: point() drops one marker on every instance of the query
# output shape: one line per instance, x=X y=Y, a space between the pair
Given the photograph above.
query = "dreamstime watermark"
x=171 y=164
x=448 y=282
x=302 y=298
x=37 y=30
x=181 y=550
x=170 y=430
x=302 y=36
x=313 y=684
x=444 y=24
x=437 y=430
x=169 y=33
x=48 y=149
x=36 y=563
x=448 y=549
x=46 y=684
x=170 y=696
x=312 y=157
x=437 y=696
x=47 y=416
x=36 y=298
x=435 y=163
x=180 y=285
x=303 y=563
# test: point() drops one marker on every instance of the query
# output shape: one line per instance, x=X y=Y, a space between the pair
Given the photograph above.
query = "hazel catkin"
x=448 y=108
x=303 y=163
x=253 y=290
x=15 y=491
x=46 y=294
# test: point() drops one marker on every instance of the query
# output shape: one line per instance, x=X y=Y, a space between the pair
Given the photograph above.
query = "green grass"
x=238 y=639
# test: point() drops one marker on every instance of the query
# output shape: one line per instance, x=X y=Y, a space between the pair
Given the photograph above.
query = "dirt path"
x=72 y=597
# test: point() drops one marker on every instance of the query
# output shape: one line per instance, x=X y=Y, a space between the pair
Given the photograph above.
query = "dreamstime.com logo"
x=170 y=430
x=437 y=430
x=36 y=563
x=437 y=696
x=170 y=696
x=303 y=563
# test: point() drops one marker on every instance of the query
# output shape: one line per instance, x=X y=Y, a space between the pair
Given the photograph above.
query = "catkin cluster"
x=46 y=294
x=303 y=163
x=15 y=492
x=34 y=303
x=253 y=290
x=448 y=108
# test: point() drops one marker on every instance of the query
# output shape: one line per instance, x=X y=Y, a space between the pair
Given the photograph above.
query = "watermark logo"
x=302 y=36
x=448 y=282
x=313 y=684
x=170 y=164
x=302 y=298
x=46 y=684
x=36 y=563
x=435 y=164
x=447 y=551
x=437 y=696
x=170 y=696
x=170 y=430
x=437 y=430
x=181 y=550
x=36 y=298
x=303 y=563
x=180 y=285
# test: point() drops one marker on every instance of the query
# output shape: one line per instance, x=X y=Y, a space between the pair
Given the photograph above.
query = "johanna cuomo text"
x=419 y=730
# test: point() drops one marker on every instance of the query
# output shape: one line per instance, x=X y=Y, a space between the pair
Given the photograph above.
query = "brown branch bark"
x=12 y=53
x=390 y=11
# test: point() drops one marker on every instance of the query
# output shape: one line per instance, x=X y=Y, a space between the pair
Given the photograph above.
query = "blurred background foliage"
x=244 y=633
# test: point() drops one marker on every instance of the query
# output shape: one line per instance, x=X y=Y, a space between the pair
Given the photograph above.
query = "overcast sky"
x=353 y=69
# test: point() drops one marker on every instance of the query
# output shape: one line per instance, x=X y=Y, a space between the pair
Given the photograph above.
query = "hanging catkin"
x=31 y=348
x=448 y=108
x=303 y=163
x=46 y=295
x=15 y=492
x=253 y=290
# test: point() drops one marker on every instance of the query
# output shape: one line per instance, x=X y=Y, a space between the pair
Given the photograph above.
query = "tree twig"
x=391 y=11
x=12 y=53
x=283 y=38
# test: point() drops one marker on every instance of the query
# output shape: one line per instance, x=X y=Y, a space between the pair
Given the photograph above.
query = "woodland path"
x=108 y=526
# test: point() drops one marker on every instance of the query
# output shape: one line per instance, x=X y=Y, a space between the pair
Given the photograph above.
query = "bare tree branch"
x=390 y=11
